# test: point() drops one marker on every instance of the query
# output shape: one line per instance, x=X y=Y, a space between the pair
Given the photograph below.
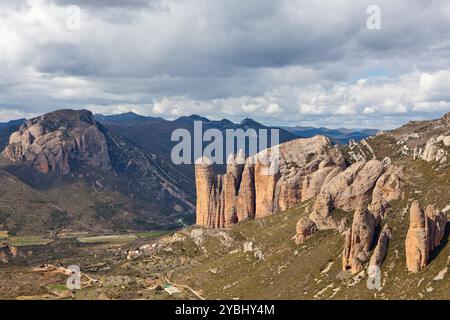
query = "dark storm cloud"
x=263 y=59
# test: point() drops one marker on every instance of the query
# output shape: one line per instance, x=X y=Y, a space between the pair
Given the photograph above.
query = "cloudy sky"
x=286 y=62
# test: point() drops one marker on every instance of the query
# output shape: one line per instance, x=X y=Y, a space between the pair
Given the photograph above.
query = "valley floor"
x=253 y=260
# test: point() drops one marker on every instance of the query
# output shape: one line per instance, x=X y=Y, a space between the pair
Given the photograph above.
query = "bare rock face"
x=446 y=141
x=379 y=253
x=246 y=196
x=52 y=141
x=433 y=152
x=261 y=186
x=205 y=191
x=358 y=241
x=350 y=190
x=426 y=232
x=416 y=244
x=347 y=191
x=313 y=183
x=387 y=189
x=436 y=223
x=266 y=178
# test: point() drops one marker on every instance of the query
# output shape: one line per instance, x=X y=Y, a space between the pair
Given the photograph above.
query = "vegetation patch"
x=28 y=240
x=115 y=238
x=151 y=234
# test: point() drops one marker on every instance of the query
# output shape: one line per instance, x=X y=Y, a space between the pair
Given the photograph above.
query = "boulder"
x=305 y=229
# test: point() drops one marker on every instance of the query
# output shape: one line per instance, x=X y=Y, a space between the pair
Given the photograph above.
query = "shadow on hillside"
x=444 y=242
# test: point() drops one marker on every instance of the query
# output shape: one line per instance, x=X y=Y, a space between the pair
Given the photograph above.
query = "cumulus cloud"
x=289 y=62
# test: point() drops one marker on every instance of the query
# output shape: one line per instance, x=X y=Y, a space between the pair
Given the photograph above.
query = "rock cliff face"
x=309 y=169
x=380 y=251
x=416 y=244
x=358 y=241
x=365 y=188
x=256 y=187
x=425 y=233
x=53 y=141
x=347 y=191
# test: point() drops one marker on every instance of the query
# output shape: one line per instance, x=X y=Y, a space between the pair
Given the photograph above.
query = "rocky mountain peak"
x=54 y=141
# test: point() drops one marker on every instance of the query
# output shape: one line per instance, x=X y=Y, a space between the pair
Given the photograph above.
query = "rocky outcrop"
x=52 y=142
x=358 y=241
x=269 y=181
x=347 y=191
x=387 y=189
x=309 y=169
x=416 y=244
x=433 y=152
x=365 y=188
x=313 y=183
x=246 y=196
x=305 y=229
x=426 y=232
x=205 y=192
x=380 y=251
x=436 y=224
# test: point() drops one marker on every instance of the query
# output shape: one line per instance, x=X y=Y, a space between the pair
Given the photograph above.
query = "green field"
x=29 y=240
x=35 y=240
x=151 y=234
x=117 y=238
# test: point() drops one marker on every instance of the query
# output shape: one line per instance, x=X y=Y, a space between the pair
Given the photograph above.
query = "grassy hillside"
x=86 y=200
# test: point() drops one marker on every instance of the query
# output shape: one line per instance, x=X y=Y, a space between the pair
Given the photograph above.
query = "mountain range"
x=123 y=170
x=367 y=219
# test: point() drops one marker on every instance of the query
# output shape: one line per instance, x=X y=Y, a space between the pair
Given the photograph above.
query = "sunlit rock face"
x=52 y=142
x=256 y=187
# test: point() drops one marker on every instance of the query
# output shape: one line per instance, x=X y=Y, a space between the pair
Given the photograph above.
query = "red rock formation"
x=261 y=187
x=246 y=195
x=205 y=191
x=416 y=244
x=358 y=241
x=426 y=232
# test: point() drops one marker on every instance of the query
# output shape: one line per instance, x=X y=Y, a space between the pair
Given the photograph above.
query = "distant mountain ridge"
x=339 y=136
x=136 y=186
x=154 y=134
x=85 y=177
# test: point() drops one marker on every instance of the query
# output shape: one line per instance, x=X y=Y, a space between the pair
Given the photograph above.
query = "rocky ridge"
x=334 y=189
x=66 y=154
x=310 y=170
x=250 y=190
x=52 y=142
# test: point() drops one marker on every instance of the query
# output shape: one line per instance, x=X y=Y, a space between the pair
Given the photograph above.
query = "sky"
x=285 y=62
